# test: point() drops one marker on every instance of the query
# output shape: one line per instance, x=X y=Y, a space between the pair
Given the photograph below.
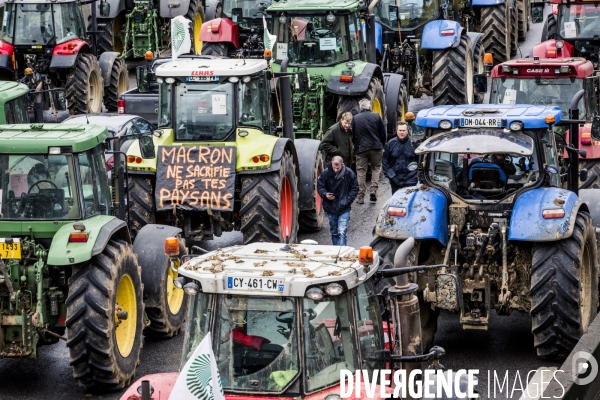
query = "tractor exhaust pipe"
x=574 y=133
x=38 y=106
x=285 y=93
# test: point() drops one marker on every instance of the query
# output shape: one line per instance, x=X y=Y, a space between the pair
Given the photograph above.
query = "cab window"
x=370 y=331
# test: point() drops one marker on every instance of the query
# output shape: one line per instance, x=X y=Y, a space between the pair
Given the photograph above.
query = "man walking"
x=338 y=188
x=369 y=137
x=338 y=140
x=397 y=155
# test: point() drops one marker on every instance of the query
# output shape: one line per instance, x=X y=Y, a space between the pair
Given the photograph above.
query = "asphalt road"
x=507 y=347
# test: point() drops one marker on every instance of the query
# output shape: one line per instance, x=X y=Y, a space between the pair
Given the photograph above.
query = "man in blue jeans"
x=338 y=187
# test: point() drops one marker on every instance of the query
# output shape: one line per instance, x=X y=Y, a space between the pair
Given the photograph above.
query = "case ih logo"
x=203 y=73
x=538 y=70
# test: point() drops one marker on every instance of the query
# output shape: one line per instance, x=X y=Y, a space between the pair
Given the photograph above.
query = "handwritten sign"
x=327 y=44
x=195 y=177
x=282 y=50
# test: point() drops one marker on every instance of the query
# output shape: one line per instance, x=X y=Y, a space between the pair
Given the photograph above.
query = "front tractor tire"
x=564 y=290
x=84 y=87
x=269 y=204
x=375 y=94
x=119 y=83
x=141 y=202
x=195 y=14
x=217 y=49
x=104 y=318
x=452 y=74
x=496 y=30
x=312 y=220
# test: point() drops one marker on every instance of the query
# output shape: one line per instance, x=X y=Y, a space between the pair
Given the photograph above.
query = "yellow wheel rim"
x=403 y=111
x=125 y=328
x=174 y=295
x=197 y=29
x=377 y=107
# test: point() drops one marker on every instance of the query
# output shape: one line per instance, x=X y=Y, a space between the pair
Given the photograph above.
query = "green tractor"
x=67 y=264
x=13 y=103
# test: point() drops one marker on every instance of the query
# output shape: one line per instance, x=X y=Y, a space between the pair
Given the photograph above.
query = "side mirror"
x=141 y=76
x=583 y=174
x=537 y=14
x=480 y=82
x=237 y=14
x=596 y=127
x=104 y=9
x=59 y=101
x=147 y=147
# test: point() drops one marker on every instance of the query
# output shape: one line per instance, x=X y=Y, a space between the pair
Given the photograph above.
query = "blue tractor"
x=493 y=225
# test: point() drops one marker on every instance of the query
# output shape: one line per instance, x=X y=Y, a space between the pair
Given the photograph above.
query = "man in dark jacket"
x=338 y=140
x=369 y=137
x=338 y=188
x=397 y=155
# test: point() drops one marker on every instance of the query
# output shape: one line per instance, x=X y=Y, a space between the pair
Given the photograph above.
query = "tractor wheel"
x=514 y=35
x=522 y=19
x=104 y=318
x=84 y=86
x=213 y=9
x=478 y=68
x=312 y=220
x=496 y=32
x=564 y=290
x=141 y=198
x=215 y=49
x=395 y=106
x=110 y=37
x=269 y=210
x=549 y=31
x=528 y=14
x=593 y=180
x=169 y=304
x=386 y=248
x=119 y=83
x=196 y=15
x=375 y=94
x=452 y=74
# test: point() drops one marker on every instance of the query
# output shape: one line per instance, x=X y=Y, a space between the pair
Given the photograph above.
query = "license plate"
x=481 y=122
x=202 y=79
x=10 y=248
x=252 y=283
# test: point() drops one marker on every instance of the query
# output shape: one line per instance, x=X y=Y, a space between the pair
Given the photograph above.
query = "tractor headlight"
x=170 y=80
x=315 y=294
x=516 y=126
x=282 y=18
x=445 y=124
x=191 y=288
x=334 y=289
x=179 y=282
x=560 y=44
x=160 y=80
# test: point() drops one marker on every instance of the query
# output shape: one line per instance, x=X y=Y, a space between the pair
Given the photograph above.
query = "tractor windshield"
x=40 y=24
x=579 y=21
x=312 y=40
x=551 y=92
x=246 y=13
x=406 y=15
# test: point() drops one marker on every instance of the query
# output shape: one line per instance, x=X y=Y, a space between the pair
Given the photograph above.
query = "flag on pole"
x=268 y=38
x=181 y=42
x=199 y=378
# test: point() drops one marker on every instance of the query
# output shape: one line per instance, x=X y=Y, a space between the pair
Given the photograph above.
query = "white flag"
x=199 y=378
x=181 y=42
x=268 y=38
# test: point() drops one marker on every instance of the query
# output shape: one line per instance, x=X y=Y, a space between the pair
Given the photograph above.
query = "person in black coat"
x=338 y=188
x=397 y=155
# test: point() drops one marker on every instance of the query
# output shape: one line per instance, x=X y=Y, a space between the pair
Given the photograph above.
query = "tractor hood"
x=488 y=141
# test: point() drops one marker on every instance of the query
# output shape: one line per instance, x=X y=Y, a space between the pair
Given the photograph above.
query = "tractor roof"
x=548 y=68
x=11 y=90
x=37 y=138
x=294 y=271
x=216 y=67
x=532 y=117
x=306 y=5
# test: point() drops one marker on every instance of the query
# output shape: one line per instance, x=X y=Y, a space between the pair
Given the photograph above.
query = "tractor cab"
x=406 y=15
x=247 y=14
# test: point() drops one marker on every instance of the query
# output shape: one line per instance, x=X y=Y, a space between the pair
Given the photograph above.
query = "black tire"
x=399 y=106
x=478 y=68
x=375 y=94
x=141 y=202
x=593 y=179
x=95 y=354
x=218 y=49
x=312 y=220
x=196 y=15
x=212 y=9
x=84 y=86
x=387 y=250
x=164 y=321
x=261 y=208
x=119 y=83
x=110 y=37
x=564 y=273
x=452 y=74
x=523 y=15
x=549 y=31
x=496 y=32
x=514 y=26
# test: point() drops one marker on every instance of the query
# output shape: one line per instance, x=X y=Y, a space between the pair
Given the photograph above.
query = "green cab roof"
x=36 y=138
x=307 y=5
x=11 y=90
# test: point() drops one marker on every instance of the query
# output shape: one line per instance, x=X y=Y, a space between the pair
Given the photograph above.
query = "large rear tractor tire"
x=196 y=15
x=387 y=250
x=84 y=87
x=119 y=83
x=217 y=49
x=496 y=32
x=104 y=318
x=478 y=68
x=523 y=16
x=212 y=9
x=375 y=95
x=110 y=38
x=593 y=179
x=141 y=202
x=514 y=26
x=269 y=211
x=312 y=220
x=452 y=74
x=564 y=290
x=549 y=31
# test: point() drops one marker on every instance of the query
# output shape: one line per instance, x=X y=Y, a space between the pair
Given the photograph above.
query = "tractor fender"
x=432 y=35
x=528 y=224
x=392 y=86
x=168 y=9
x=475 y=37
x=68 y=61
x=378 y=36
x=307 y=150
x=360 y=84
x=106 y=61
x=116 y=6
x=100 y=230
x=228 y=32
x=281 y=145
x=6 y=63
x=426 y=215
x=149 y=247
